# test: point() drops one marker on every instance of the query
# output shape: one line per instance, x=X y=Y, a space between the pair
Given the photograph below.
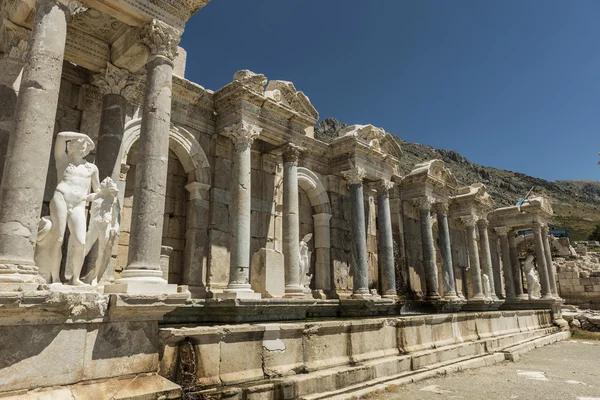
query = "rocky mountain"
x=576 y=204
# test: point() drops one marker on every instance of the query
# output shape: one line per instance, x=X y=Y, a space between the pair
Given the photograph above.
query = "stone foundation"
x=294 y=360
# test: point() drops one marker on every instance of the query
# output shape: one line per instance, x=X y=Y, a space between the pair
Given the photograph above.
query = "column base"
x=17 y=277
x=238 y=291
x=141 y=281
x=198 y=291
x=432 y=297
x=294 y=292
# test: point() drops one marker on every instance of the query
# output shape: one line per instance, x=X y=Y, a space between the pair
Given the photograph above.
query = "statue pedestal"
x=267 y=273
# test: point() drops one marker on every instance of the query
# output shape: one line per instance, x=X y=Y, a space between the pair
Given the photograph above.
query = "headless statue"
x=487 y=288
x=104 y=226
x=67 y=207
x=533 y=280
x=305 y=255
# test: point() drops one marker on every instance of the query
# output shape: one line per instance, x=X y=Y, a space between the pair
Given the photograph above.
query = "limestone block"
x=241 y=354
x=441 y=330
x=326 y=345
x=180 y=62
x=371 y=339
x=267 y=273
x=120 y=348
x=282 y=349
x=218 y=268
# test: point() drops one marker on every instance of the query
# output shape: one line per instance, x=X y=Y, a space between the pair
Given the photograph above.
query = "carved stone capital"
x=196 y=189
x=14 y=41
x=502 y=231
x=483 y=223
x=291 y=152
x=470 y=221
x=423 y=203
x=383 y=186
x=545 y=229
x=355 y=175
x=537 y=227
x=113 y=80
x=242 y=134
x=441 y=208
x=162 y=39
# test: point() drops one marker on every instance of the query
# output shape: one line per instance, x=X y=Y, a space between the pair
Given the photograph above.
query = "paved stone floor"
x=568 y=370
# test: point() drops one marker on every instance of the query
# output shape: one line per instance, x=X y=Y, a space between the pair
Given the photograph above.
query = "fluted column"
x=355 y=178
x=291 y=222
x=474 y=265
x=153 y=154
x=428 y=248
x=506 y=263
x=516 y=267
x=540 y=257
x=29 y=146
x=486 y=255
x=549 y=263
x=446 y=252
x=196 y=238
x=242 y=134
x=385 y=239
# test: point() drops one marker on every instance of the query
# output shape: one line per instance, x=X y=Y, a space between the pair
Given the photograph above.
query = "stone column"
x=486 y=255
x=428 y=248
x=355 y=178
x=549 y=263
x=29 y=146
x=242 y=134
x=509 y=282
x=153 y=154
x=291 y=222
x=497 y=265
x=196 y=238
x=16 y=46
x=474 y=265
x=323 y=249
x=446 y=252
x=540 y=257
x=385 y=239
x=516 y=267
x=113 y=82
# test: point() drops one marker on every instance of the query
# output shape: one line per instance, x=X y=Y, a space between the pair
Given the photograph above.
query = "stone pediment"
x=368 y=134
x=434 y=171
x=285 y=92
x=477 y=193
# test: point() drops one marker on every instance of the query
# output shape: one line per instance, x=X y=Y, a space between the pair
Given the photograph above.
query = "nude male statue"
x=67 y=207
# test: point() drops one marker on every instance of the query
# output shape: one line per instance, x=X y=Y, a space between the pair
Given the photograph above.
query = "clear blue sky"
x=512 y=84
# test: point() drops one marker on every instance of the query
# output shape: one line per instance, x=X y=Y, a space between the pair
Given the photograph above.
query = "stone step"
x=421 y=364
x=379 y=385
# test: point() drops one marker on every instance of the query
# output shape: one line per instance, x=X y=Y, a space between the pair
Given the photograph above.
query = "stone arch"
x=181 y=142
x=319 y=200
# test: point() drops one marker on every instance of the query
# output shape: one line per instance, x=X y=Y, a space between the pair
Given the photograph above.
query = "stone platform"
x=302 y=360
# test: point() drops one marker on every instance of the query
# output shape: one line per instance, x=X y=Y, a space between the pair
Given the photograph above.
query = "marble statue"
x=105 y=215
x=67 y=207
x=487 y=288
x=305 y=255
x=533 y=280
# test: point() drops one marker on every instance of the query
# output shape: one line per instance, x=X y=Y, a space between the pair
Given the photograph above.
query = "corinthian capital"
x=483 y=223
x=242 y=134
x=113 y=80
x=14 y=41
x=441 y=208
x=291 y=152
x=470 y=221
x=384 y=186
x=502 y=231
x=423 y=203
x=355 y=175
x=161 y=38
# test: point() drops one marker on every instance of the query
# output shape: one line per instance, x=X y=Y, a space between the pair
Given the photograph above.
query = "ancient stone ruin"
x=160 y=239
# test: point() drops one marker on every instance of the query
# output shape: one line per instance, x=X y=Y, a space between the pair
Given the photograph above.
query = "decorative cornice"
x=383 y=186
x=162 y=39
x=242 y=134
x=291 y=152
x=355 y=175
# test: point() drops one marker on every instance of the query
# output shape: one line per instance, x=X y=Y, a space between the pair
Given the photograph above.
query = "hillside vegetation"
x=576 y=204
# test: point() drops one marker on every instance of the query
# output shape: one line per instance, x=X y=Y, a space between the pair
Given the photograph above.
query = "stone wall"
x=579 y=281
